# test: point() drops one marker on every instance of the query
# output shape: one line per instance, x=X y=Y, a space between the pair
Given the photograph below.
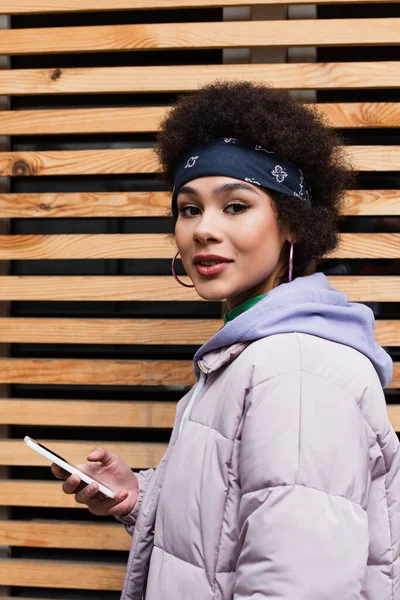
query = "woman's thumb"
x=97 y=455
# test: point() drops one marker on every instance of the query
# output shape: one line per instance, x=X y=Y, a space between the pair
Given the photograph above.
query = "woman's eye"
x=189 y=211
x=236 y=208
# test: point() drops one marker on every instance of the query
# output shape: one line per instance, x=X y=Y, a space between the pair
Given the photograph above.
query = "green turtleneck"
x=241 y=308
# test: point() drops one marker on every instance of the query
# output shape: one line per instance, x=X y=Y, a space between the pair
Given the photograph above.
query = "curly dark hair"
x=272 y=118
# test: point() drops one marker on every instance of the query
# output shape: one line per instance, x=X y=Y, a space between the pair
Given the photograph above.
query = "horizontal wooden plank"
x=71 y=162
x=15 y=7
x=368 y=245
x=107 y=372
x=363 y=288
x=143 y=160
x=359 y=114
x=394 y=416
x=138 y=245
x=368 y=203
x=86 y=413
x=92 y=413
x=107 y=331
x=375 y=158
x=129 y=288
x=63 y=574
x=387 y=332
x=85 y=246
x=135 y=331
x=24 y=492
x=135 y=119
x=156 y=204
x=97 y=372
x=23 y=598
x=136 y=288
x=228 y=34
x=61 y=534
x=137 y=455
x=182 y=78
x=138 y=119
x=367 y=288
x=96 y=204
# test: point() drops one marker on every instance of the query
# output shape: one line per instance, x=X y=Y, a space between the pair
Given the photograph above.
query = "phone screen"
x=52 y=452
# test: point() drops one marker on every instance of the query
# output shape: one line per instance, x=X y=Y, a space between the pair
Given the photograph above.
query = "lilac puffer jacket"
x=282 y=476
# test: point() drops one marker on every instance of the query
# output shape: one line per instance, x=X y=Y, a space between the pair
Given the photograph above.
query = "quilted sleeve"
x=304 y=472
x=129 y=520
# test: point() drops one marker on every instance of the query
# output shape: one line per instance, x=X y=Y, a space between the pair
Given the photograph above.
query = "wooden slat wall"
x=101 y=336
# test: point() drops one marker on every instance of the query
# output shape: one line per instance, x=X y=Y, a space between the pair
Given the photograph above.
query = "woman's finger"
x=123 y=506
x=102 y=455
x=85 y=495
x=58 y=472
x=101 y=505
x=71 y=485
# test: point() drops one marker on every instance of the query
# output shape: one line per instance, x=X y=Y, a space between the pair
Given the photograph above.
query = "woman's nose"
x=207 y=229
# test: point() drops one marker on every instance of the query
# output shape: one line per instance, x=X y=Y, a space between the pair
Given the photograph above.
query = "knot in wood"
x=45 y=207
x=56 y=74
x=20 y=168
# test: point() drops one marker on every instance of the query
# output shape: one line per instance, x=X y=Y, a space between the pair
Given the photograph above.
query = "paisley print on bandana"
x=191 y=162
x=279 y=173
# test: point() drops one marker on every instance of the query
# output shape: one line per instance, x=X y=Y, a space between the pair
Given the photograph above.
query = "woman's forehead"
x=217 y=184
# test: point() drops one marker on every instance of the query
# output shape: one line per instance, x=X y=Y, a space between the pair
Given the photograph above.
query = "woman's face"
x=231 y=224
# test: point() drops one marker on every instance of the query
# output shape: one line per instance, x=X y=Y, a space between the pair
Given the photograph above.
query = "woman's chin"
x=207 y=292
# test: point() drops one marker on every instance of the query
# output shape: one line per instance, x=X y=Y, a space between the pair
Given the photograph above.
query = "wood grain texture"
x=64 y=574
x=136 y=455
x=155 y=204
x=368 y=245
x=81 y=162
x=130 y=288
x=107 y=372
x=369 y=203
x=395 y=383
x=387 y=332
x=107 y=331
x=375 y=158
x=142 y=288
x=96 y=372
x=85 y=536
x=394 y=416
x=136 y=331
x=182 y=78
x=143 y=160
x=86 y=413
x=367 y=288
x=360 y=114
x=91 y=204
x=83 y=413
x=138 y=245
x=25 y=492
x=13 y=7
x=135 y=119
x=228 y=34
x=140 y=119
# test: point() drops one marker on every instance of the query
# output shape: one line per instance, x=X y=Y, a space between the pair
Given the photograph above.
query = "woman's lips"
x=213 y=269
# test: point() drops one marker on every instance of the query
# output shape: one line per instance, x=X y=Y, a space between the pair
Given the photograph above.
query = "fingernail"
x=124 y=495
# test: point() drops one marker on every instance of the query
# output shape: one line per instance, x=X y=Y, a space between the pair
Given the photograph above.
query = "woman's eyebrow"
x=222 y=189
x=187 y=189
x=233 y=187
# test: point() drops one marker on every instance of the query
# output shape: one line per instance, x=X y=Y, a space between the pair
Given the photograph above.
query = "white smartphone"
x=61 y=462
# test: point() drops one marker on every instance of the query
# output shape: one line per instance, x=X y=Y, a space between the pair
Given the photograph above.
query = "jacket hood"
x=305 y=305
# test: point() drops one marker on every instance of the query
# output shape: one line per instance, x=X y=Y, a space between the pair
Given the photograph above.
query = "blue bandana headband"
x=231 y=158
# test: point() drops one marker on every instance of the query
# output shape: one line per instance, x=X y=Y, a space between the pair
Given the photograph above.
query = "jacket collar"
x=216 y=359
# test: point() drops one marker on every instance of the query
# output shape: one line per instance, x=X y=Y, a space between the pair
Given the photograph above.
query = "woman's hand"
x=113 y=472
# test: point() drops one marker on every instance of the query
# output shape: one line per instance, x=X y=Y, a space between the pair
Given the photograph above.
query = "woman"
x=282 y=476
